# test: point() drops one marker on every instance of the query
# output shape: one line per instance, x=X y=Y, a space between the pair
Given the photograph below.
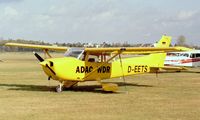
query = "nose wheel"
x=59 y=88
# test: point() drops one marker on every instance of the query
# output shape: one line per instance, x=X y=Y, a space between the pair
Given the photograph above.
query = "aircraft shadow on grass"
x=82 y=88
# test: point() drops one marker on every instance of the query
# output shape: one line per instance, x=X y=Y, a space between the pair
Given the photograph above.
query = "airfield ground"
x=25 y=94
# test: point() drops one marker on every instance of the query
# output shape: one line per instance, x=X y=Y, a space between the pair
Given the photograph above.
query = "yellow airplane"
x=96 y=64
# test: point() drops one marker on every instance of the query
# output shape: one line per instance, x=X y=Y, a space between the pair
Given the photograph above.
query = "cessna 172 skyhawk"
x=96 y=64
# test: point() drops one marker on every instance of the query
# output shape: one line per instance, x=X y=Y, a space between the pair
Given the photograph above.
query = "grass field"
x=25 y=94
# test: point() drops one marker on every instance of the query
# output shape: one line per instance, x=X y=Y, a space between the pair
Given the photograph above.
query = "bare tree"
x=181 y=41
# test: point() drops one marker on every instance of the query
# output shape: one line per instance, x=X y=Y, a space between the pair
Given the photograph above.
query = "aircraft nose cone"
x=44 y=63
x=48 y=65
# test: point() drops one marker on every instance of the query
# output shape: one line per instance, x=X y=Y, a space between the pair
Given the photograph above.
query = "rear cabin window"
x=198 y=55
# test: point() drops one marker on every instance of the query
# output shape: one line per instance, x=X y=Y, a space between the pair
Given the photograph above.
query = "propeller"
x=51 y=64
x=42 y=60
x=38 y=57
x=50 y=69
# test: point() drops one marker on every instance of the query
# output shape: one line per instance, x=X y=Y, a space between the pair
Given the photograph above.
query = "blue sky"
x=96 y=21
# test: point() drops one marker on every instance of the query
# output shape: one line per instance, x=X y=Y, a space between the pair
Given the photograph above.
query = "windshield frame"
x=74 y=52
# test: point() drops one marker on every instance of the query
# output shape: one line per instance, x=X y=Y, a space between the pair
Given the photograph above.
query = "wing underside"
x=45 y=47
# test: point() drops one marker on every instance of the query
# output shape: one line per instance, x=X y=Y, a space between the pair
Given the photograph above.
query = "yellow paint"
x=110 y=87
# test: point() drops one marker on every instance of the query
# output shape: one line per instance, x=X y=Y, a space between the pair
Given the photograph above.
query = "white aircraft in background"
x=190 y=58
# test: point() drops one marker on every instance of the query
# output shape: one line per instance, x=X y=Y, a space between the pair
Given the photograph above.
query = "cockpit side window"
x=185 y=55
x=93 y=58
x=192 y=56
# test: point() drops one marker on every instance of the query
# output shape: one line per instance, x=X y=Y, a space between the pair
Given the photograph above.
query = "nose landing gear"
x=59 y=88
x=66 y=84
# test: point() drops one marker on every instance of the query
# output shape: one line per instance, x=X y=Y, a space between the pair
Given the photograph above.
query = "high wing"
x=44 y=47
x=133 y=50
x=122 y=50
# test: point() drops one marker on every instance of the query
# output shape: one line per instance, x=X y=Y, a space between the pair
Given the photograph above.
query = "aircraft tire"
x=59 y=89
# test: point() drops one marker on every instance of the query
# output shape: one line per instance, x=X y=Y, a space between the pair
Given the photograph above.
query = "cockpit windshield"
x=74 y=52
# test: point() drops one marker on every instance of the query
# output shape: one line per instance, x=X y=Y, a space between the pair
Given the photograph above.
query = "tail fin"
x=165 y=41
x=159 y=58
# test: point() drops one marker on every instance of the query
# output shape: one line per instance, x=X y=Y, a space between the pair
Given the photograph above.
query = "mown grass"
x=25 y=93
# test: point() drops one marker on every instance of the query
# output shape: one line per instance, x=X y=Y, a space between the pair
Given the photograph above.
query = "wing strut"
x=46 y=53
x=120 y=58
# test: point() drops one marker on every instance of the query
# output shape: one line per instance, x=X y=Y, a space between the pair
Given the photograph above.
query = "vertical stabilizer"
x=165 y=41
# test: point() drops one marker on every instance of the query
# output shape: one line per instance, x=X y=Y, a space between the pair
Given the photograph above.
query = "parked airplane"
x=190 y=58
x=96 y=64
